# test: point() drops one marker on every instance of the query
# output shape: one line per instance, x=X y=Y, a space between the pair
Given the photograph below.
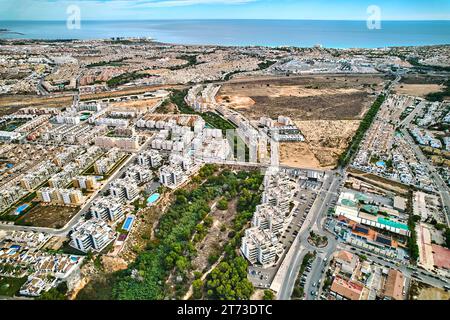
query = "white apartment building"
x=107 y=209
x=124 y=189
x=261 y=243
x=111 y=122
x=57 y=196
x=139 y=173
x=122 y=143
x=91 y=235
x=172 y=176
x=260 y=246
x=150 y=158
x=68 y=118
x=89 y=183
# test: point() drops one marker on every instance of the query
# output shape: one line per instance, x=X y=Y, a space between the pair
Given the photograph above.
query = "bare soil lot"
x=325 y=141
x=298 y=155
x=48 y=216
x=12 y=103
x=422 y=291
x=139 y=104
x=303 y=98
x=418 y=90
x=326 y=108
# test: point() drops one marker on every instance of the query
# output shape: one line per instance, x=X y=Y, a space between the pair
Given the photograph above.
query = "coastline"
x=241 y=33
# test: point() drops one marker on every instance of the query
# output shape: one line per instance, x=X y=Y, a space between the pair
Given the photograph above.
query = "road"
x=424 y=276
x=301 y=245
x=442 y=187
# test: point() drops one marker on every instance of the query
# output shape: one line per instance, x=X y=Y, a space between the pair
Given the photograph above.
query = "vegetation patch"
x=11 y=286
x=345 y=158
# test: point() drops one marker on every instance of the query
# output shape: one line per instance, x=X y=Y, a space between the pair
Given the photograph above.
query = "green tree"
x=222 y=204
x=268 y=295
x=57 y=293
x=198 y=288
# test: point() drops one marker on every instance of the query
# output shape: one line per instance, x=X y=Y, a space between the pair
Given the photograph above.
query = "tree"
x=57 y=293
x=198 y=288
x=268 y=295
x=229 y=281
x=447 y=238
x=222 y=204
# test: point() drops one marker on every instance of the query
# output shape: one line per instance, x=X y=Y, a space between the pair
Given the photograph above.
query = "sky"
x=224 y=9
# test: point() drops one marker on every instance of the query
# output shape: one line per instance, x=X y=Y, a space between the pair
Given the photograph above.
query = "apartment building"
x=57 y=196
x=260 y=246
x=107 y=209
x=88 y=183
x=110 y=122
x=122 y=143
x=68 y=118
x=9 y=136
x=124 y=189
x=38 y=175
x=91 y=235
x=139 y=173
x=261 y=243
x=63 y=158
x=172 y=176
x=150 y=158
x=106 y=163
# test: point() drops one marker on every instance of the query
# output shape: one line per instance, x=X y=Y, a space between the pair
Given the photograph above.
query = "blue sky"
x=225 y=9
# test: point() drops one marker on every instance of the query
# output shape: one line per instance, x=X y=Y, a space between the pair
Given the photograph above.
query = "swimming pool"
x=74 y=258
x=128 y=223
x=22 y=208
x=381 y=164
x=153 y=198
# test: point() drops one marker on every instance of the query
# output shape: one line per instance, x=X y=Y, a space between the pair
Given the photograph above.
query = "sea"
x=272 y=33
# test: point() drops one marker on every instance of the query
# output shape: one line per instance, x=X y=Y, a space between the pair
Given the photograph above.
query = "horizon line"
x=233 y=19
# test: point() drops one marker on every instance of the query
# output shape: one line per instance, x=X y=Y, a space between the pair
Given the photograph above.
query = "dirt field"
x=258 y=295
x=326 y=108
x=418 y=90
x=140 y=104
x=303 y=98
x=421 y=291
x=48 y=216
x=12 y=103
x=298 y=155
x=327 y=139
x=125 y=92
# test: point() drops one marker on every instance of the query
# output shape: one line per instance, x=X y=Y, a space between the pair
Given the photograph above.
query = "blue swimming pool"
x=153 y=198
x=22 y=208
x=381 y=164
x=128 y=223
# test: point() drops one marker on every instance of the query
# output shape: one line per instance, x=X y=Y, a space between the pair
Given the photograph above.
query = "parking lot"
x=307 y=194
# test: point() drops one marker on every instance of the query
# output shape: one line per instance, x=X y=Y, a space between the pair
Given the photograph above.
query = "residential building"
x=91 y=235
